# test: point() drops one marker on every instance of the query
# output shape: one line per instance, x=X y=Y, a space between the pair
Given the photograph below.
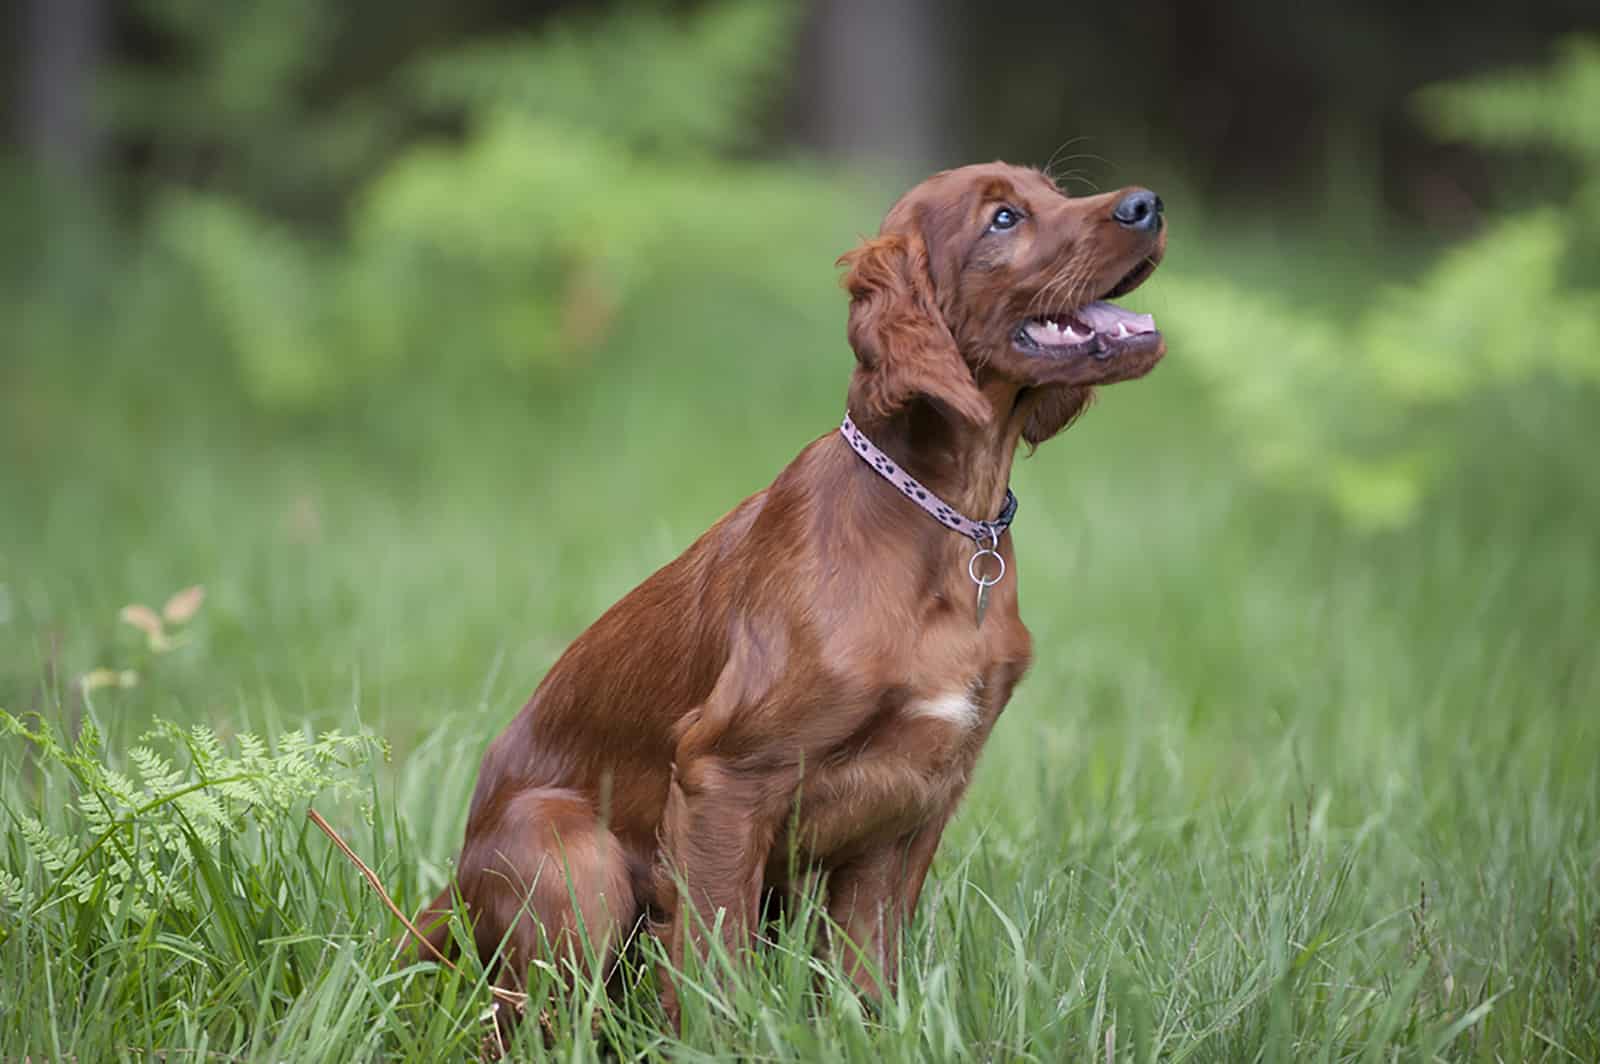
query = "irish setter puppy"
x=816 y=674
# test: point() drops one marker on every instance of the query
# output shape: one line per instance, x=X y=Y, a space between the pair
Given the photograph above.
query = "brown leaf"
x=143 y=618
x=184 y=605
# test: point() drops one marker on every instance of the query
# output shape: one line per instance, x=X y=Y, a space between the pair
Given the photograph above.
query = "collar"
x=984 y=533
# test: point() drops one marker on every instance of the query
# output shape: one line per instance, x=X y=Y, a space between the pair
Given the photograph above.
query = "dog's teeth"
x=1122 y=330
x=1075 y=336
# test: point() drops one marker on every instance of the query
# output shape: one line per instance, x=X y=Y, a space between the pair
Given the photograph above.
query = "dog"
x=802 y=695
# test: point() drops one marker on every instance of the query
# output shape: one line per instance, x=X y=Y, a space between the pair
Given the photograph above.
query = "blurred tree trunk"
x=883 y=71
x=63 y=44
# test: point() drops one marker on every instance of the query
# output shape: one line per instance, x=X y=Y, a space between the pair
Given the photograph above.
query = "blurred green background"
x=417 y=333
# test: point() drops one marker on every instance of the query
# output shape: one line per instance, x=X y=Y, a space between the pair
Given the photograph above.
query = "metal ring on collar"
x=982 y=581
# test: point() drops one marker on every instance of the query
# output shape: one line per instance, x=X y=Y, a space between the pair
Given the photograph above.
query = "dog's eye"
x=1004 y=218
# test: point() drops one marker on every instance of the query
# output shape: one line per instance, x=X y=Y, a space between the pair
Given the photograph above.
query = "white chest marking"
x=958 y=707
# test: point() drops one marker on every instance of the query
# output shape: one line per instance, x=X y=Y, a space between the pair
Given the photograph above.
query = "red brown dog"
x=816 y=675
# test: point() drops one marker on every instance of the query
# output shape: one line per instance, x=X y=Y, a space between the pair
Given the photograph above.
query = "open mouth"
x=1100 y=330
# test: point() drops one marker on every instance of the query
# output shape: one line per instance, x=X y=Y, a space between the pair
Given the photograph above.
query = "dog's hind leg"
x=544 y=878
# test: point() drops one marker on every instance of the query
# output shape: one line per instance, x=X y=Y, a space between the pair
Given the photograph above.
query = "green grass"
x=1272 y=790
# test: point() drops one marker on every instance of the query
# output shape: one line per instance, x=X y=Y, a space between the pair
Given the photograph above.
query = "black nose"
x=1139 y=209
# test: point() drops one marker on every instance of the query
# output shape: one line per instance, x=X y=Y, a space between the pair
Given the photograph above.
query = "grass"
x=1273 y=790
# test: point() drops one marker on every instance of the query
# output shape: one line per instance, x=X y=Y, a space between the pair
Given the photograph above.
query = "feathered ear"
x=1055 y=409
x=904 y=349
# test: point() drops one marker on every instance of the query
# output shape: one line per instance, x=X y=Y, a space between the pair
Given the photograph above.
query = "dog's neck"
x=968 y=466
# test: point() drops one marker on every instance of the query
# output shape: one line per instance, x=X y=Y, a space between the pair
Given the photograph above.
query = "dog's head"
x=992 y=269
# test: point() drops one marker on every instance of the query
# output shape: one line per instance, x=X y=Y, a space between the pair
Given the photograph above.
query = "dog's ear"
x=902 y=344
x=1054 y=410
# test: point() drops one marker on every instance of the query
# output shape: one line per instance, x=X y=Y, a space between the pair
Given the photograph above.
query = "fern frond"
x=135 y=845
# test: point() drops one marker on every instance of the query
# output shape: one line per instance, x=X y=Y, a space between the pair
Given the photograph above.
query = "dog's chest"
x=958 y=708
x=901 y=771
x=918 y=729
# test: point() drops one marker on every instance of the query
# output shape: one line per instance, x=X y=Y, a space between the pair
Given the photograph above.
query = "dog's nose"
x=1139 y=209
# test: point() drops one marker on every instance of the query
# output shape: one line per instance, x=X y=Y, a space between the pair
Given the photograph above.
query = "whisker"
x=1069 y=284
x=1071 y=281
x=1080 y=285
x=1070 y=278
x=1038 y=295
x=1078 y=175
x=1037 y=302
x=1089 y=155
x=1064 y=145
x=1069 y=288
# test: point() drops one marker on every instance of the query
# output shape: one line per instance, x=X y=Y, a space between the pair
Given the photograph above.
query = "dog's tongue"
x=1104 y=318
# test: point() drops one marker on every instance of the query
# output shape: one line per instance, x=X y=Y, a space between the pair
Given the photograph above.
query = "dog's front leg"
x=871 y=900
x=866 y=916
x=715 y=842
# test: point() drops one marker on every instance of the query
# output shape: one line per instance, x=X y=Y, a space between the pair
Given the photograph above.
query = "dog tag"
x=985 y=580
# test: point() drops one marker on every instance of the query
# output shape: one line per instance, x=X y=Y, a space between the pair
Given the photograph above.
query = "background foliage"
x=416 y=343
x=1367 y=407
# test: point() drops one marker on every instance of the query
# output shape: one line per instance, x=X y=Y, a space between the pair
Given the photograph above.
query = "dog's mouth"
x=1099 y=329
